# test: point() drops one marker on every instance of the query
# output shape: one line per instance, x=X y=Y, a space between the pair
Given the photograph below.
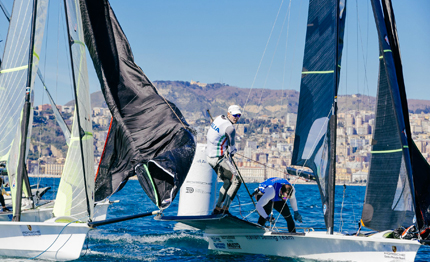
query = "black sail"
x=410 y=199
x=318 y=91
x=388 y=202
x=148 y=136
x=420 y=167
x=409 y=171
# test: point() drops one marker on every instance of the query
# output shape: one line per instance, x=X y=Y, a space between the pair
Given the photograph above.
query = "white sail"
x=13 y=79
x=75 y=195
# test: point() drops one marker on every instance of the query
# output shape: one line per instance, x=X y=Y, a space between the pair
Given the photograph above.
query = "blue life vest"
x=276 y=183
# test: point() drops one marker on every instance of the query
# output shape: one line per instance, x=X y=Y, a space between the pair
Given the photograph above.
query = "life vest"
x=216 y=137
x=276 y=183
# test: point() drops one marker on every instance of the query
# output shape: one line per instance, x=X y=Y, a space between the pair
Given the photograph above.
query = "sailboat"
x=397 y=189
x=43 y=209
x=148 y=135
x=62 y=237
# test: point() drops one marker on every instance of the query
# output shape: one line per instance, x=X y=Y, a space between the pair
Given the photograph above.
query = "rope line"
x=55 y=239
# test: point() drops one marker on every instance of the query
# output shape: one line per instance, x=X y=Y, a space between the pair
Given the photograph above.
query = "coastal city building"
x=264 y=151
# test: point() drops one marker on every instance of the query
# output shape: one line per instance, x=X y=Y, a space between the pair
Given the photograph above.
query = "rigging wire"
x=293 y=60
x=262 y=57
x=366 y=85
x=285 y=56
x=274 y=53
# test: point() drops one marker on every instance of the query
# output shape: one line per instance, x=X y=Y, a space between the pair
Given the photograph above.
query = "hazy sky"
x=224 y=41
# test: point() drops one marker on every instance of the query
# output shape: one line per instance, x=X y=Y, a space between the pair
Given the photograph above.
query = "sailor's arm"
x=293 y=201
x=230 y=132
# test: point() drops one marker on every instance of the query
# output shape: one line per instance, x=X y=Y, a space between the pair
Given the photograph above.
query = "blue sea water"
x=145 y=239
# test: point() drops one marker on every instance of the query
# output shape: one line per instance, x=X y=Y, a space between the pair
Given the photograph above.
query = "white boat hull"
x=44 y=213
x=232 y=234
x=317 y=245
x=44 y=240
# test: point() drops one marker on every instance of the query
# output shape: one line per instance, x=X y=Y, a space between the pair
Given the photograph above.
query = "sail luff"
x=75 y=195
x=77 y=115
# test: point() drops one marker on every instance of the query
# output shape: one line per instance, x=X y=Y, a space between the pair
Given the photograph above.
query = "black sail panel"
x=390 y=196
x=318 y=91
x=420 y=167
x=150 y=137
x=388 y=203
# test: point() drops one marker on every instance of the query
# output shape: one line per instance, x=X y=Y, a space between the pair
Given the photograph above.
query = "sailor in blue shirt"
x=274 y=193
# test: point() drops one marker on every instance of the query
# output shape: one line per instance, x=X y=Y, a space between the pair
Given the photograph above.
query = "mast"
x=333 y=130
x=82 y=132
x=22 y=176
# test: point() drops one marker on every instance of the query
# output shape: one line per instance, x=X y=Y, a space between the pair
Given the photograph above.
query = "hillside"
x=194 y=99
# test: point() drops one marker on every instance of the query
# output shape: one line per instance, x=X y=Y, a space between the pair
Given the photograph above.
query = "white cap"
x=234 y=109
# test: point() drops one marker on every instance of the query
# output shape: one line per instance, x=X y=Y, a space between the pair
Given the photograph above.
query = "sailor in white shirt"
x=221 y=141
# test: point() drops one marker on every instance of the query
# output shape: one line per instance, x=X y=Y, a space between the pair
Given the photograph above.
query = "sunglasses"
x=237 y=115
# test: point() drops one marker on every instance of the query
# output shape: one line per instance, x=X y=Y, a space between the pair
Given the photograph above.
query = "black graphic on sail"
x=315 y=119
x=148 y=136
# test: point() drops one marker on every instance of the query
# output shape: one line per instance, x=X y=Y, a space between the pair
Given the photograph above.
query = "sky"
x=250 y=43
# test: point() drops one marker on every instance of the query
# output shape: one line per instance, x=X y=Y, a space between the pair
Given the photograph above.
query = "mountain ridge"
x=193 y=99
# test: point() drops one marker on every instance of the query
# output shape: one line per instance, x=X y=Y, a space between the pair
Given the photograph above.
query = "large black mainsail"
x=399 y=177
x=316 y=122
x=148 y=136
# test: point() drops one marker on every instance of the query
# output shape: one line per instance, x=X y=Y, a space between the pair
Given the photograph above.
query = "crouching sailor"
x=274 y=193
